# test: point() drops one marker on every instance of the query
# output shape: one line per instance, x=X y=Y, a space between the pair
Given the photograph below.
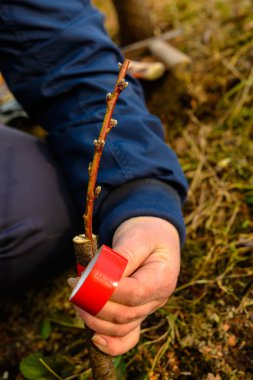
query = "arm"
x=60 y=63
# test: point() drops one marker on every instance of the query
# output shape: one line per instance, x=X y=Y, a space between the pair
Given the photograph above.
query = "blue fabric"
x=60 y=63
x=38 y=216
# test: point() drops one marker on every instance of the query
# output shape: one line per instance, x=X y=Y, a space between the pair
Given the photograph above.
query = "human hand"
x=152 y=248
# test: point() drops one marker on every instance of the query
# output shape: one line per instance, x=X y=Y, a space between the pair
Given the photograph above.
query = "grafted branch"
x=107 y=125
x=86 y=245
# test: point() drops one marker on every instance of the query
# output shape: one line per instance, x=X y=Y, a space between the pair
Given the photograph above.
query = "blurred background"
x=204 y=97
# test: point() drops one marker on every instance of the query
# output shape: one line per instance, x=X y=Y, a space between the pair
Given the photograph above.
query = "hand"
x=151 y=246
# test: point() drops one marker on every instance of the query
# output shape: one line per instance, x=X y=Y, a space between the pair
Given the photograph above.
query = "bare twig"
x=108 y=124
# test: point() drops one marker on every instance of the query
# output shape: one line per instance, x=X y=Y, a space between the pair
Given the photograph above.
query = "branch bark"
x=108 y=124
x=85 y=246
x=101 y=363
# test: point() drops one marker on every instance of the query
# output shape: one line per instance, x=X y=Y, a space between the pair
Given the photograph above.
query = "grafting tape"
x=99 y=280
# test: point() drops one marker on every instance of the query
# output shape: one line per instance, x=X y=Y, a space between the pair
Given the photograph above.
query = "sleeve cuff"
x=145 y=197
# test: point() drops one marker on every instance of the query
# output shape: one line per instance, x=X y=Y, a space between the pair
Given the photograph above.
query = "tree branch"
x=86 y=245
x=108 y=124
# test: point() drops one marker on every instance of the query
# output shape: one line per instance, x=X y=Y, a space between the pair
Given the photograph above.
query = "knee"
x=30 y=254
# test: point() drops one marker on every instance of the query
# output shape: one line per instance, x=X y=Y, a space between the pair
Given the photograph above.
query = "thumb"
x=134 y=239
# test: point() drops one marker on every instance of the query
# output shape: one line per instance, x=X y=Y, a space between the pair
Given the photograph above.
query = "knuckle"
x=124 y=318
x=119 y=319
x=122 y=331
x=135 y=299
x=94 y=325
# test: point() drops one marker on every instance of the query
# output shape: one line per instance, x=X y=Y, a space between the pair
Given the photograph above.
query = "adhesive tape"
x=98 y=280
x=79 y=268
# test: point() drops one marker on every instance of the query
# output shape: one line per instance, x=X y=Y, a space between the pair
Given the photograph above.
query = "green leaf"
x=249 y=199
x=246 y=224
x=64 y=320
x=120 y=366
x=45 y=329
x=86 y=375
x=32 y=369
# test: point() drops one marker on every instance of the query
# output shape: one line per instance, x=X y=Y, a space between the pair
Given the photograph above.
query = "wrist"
x=140 y=198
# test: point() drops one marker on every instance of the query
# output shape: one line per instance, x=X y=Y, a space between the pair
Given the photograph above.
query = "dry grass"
x=206 y=329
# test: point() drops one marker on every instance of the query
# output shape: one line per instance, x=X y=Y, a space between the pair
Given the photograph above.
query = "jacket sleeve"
x=59 y=62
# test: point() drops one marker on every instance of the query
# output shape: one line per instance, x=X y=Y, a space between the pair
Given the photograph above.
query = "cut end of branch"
x=84 y=248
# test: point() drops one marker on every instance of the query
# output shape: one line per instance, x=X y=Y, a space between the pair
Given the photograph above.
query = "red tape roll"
x=99 y=280
x=79 y=268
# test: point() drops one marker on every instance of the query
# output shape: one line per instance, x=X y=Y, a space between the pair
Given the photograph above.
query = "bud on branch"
x=107 y=125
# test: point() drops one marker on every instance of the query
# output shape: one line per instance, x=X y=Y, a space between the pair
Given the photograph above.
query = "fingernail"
x=72 y=282
x=99 y=341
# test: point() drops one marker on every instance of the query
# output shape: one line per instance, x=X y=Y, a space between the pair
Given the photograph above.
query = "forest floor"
x=205 y=332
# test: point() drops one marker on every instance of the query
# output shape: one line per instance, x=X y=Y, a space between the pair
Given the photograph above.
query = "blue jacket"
x=59 y=62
